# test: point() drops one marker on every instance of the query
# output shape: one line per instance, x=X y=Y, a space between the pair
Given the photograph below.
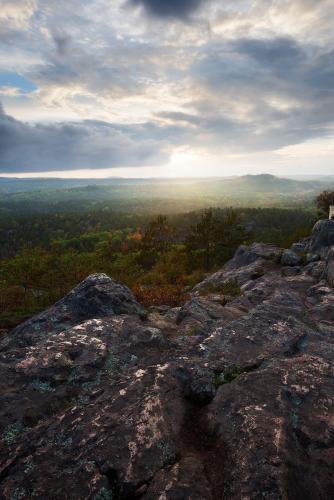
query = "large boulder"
x=97 y=296
x=246 y=255
x=249 y=263
x=322 y=237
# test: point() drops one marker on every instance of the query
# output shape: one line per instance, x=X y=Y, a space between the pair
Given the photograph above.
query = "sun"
x=186 y=164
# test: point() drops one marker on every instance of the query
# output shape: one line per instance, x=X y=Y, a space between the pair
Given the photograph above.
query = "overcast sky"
x=166 y=87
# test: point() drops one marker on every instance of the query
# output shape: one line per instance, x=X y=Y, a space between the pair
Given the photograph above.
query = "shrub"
x=167 y=295
x=230 y=287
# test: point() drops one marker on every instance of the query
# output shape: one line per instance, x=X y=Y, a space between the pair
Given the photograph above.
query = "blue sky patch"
x=11 y=79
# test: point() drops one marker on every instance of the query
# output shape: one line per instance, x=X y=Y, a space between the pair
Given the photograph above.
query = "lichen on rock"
x=229 y=396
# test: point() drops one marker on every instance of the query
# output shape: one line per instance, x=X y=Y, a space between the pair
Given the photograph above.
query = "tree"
x=156 y=240
x=203 y=236
x=230 y=234
x=216 y=237
x=324 y=200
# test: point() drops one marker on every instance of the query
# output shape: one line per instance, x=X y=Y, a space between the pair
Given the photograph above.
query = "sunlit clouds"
x=188 y=87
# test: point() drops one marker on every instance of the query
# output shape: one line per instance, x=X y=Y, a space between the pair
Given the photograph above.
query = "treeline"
x=160 y=258
x=83 y=230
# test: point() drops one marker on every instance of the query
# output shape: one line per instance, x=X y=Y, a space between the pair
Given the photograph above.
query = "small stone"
x=299 y=248
x=291 y=271
x=312 y=257
x=290 y=258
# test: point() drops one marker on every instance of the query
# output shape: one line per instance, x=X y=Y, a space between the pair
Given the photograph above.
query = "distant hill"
x=261 y=182
x=173 y=194
x=266 y=183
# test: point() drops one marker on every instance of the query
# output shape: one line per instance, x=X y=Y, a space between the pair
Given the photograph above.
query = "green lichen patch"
x=12 y=433
x=104 y=494
x=74 y=375
x=88 y=386
x=61 y=439
x=41 y=386
x=111 y=365
x=29 y=467
x=19 y=493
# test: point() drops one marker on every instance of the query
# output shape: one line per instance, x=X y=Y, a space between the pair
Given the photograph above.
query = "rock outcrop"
x=97 y=296
x=322 y=237
x=229 y=397
x=329 y=267
x=290 y=258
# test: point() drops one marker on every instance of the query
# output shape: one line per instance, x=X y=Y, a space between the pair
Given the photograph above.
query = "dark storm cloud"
x=88 y=144
x=62 y=42
x=179 y=9
x=281 y=55
x=278 y=66
x=275 y=92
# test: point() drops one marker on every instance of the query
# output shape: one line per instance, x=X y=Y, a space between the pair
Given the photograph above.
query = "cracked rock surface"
x=228 y=397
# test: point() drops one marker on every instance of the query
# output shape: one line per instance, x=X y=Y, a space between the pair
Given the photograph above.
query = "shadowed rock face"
x=322 y=237
x=229 y=397
x=329 y=267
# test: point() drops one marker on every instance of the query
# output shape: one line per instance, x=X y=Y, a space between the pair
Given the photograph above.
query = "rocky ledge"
x=229 y=397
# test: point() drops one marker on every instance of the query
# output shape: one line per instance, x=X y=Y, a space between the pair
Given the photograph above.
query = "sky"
x=146 y=88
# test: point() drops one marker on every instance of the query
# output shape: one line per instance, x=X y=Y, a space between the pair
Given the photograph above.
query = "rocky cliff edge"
x=228 y=397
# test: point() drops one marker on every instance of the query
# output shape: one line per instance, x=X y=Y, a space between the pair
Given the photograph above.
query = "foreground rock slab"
x=229 y=397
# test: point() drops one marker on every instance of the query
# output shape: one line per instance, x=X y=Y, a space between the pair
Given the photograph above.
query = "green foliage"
x=125 y=268
x=225 y=377
x=216 y=236
x=45 y=256
x=157 y=239
x=230 y=287
x=324 y=200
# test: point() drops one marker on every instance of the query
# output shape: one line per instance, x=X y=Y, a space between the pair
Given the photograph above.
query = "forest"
x=160 y=257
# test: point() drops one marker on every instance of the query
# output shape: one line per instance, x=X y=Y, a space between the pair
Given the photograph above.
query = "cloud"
x=10 y=91
x=280 y=55
x=70 y=146
x=273 y=92
x=179 y=116
x=178 y=9
x=240 y=77
x=17 y=13
x=62 y=42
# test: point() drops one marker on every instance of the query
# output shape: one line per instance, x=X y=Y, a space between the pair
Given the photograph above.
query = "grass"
x=230 y=287
x=225 y=377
